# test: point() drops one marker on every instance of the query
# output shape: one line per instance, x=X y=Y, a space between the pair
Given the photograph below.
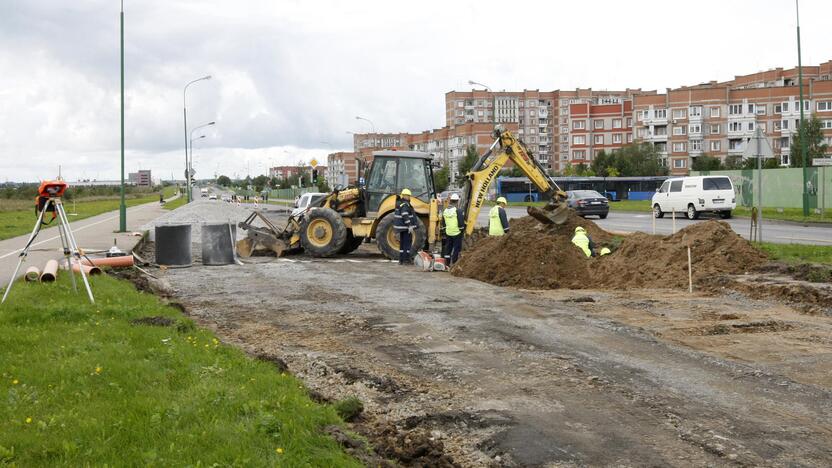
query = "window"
x=761 y=109
x=778 y=108
x=665 y=186
x=714 y=129
x=680 y=130
x=616 y=137
x=678 y=164
x=598 y=139
x=716 y=145
x=735 y=109
x=598 y=124
x=694 y=128
x=616 y=123
x=696 y=145
x=579 y=154
x=680 y=113
x=579 y=140
x=460 y=103
x=641 y=115
x=716 y=183
x=679 y=147
x=785 y=106
x=824 y=106
x=714 y=111
x=642 y=132
x=824 y=124
x=660 y=130
x=695 y=111
x=752 y=108
x=734 y=126
x=660 y=113
x=777 y=125
x=579 y=124
x=784 y=125
x=629 y=122
x=750 y=126
x=629 y=138
x=735 y=144
x=806 y=105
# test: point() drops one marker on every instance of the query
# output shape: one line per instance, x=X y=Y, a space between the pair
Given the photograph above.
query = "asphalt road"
x=773 y=231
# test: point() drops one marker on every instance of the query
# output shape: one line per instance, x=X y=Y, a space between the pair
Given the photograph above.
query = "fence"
x=782 y=188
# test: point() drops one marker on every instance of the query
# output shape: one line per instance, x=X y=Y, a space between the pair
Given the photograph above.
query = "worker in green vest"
x=454 y=222
x=584 y=242
x=497 y=219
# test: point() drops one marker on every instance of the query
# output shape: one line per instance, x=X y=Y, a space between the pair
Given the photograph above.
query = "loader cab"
x=392 y=171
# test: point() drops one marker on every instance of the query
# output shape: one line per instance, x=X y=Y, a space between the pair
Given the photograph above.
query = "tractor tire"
x=323 y=233
x=388 y=240
x=351 y=244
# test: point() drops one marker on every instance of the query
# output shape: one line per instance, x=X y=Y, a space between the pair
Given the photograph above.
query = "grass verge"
x=176 y=203
x=83 y=386
x=19 y=222
x=798 y=253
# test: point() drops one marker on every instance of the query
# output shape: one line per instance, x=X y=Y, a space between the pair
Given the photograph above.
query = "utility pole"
x=801 y=131
x=122 y=208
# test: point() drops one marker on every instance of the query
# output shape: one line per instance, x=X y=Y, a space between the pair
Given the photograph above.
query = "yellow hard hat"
x=580 y=229
x=406 y=192
x=502 y=200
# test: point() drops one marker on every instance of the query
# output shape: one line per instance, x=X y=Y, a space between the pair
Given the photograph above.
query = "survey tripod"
x=49 y=201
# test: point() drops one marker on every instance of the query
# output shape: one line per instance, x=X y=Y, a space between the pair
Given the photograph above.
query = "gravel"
x=201 y=212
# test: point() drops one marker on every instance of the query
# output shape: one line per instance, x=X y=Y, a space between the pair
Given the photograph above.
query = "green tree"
x=223 y=181
x=706 y=163
x=638 y=159
x=260 y=183
x=613 y=172
x=470 y=159
x=323 y=186
x=569 y=170
x=601 y=163
x=581 y=170
x=815 y=147
x=441 y=178
x=733 y=162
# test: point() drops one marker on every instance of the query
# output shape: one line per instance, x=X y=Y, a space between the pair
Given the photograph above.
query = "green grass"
x=798 y=253
x=170 y=191
x=82 y=386
x=172 y=205
x=21 y=221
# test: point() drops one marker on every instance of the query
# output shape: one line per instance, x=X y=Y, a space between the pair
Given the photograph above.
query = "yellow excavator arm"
x=488 y=166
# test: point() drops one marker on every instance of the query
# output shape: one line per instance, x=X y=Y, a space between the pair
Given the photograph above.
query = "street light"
x=191 y=163
x=358 y=117
x=472 y=83
x=185 y=119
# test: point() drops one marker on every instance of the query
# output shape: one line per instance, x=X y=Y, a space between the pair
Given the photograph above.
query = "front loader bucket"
x=550 y=214
x=245 y=247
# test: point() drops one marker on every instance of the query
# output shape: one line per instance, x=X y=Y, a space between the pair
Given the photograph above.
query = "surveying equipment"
x=49 y=201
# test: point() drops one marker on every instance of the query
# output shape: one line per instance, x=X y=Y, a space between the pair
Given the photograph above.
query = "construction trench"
x=530 y=354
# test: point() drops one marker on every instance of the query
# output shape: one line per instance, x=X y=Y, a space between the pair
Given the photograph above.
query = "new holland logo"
x=483 y=188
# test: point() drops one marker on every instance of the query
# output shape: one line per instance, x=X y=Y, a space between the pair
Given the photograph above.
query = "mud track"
x=504 y=377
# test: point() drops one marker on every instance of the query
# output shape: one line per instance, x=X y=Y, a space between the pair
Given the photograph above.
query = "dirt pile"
x=536 y=256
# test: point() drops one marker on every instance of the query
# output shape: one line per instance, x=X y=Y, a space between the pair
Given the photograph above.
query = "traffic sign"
x=313 y=162
x=822 y=161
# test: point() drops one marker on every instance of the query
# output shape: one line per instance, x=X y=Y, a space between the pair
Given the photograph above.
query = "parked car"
x=588 y=202
x=694 y=195
x=305 y=200
x=212 y=197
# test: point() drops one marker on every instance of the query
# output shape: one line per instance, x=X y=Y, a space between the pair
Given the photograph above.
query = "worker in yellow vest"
x=584 y=242
x=497 y=219
x=454 y=222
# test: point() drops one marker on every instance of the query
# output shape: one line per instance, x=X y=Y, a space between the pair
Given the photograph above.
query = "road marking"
x=828 y=241
x=74 y=230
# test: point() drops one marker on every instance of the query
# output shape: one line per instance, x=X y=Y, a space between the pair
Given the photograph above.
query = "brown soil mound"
x=537 y=256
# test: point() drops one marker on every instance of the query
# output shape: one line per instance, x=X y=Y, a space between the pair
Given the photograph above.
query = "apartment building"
x=342 y=169
x=718 y=119
x=592 y=128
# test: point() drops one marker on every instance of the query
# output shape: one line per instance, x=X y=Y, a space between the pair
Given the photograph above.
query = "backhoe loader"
x=341 y=221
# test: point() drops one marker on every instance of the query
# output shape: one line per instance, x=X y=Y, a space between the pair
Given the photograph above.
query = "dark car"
x=588 y=202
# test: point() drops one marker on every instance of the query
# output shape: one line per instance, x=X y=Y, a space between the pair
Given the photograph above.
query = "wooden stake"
x=674 y=221
x=654 y=223
x=690 y=273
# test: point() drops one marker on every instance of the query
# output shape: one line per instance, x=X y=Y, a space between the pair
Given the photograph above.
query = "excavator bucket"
x=552 y=213
x=245 y=247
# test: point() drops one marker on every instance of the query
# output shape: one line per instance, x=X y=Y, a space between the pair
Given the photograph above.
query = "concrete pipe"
x=32 y=274
x=115 y=262
x=50 y=272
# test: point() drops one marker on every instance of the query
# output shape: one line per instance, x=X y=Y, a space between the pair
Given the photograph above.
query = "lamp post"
x=191 y=163
x=801 y=133
x=185 y=119
x=122 y=208
x=372 y=125
x=472 y=83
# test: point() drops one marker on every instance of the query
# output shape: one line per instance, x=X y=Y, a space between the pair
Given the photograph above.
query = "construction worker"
x=582 y=240
x=454 y=227
x=497 y=219
x=404 y=224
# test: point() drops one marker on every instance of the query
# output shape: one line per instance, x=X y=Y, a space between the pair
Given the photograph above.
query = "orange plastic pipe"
x=90 y=270
x=115 y=262
x=50 y=272
x=32 y=274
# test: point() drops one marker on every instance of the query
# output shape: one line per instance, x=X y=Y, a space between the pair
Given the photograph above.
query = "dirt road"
x=508 y=377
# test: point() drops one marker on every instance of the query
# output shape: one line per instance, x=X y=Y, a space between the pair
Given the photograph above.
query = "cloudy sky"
x=289 y=77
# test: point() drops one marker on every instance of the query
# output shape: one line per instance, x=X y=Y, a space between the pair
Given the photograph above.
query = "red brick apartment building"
x=342 y=169
x=572 y=126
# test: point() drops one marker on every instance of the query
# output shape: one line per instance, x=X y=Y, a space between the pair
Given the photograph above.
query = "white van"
x=693 y=195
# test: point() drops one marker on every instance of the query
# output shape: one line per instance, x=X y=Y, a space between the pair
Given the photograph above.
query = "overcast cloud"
x=290 y=77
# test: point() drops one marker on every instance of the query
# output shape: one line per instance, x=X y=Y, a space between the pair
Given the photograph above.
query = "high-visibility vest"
x=451 y=223
x=495 y=225
x=582 y=241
